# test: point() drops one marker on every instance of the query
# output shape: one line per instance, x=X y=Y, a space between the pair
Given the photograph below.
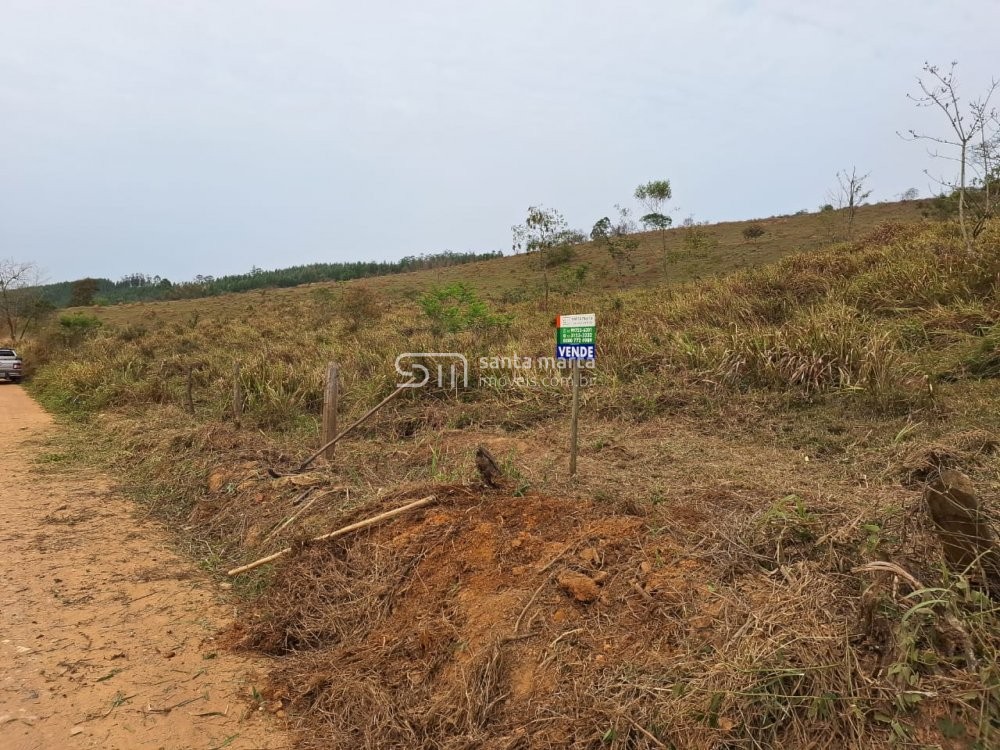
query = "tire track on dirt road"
x=106 y=634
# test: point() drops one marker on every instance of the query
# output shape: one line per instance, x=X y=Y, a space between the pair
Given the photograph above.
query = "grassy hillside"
x=517 y=278
x=743 y=560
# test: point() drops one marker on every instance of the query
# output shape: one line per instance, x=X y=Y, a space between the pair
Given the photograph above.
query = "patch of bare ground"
x=108 y=637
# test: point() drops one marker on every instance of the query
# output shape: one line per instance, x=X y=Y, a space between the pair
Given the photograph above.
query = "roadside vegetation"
x=744 y=560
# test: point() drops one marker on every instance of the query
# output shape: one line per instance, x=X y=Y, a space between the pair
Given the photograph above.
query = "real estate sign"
x=576 y=337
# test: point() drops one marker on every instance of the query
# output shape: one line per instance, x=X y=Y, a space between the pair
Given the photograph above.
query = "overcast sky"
x=209 y=136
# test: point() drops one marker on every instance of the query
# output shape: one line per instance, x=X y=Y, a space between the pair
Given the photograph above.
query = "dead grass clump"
x=831 y=348
x=887 y=233
x=318 y=601
x=358 y=306
x=964 y=450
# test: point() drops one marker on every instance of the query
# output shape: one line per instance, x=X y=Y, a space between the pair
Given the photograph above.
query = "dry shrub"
x=358 y=306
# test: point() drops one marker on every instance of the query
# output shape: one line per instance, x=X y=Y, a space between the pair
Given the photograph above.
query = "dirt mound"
x=434 y=627
x=513 y=622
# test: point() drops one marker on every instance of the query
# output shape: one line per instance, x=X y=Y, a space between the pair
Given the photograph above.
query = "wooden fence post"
x=330 y=396
x=237 y=395
x=190 y=389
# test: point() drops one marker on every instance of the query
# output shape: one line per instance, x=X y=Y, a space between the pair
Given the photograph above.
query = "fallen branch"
x=291 y=519
x=653 y=738
x=517 y=623
x=339 y=532
x=305 y=464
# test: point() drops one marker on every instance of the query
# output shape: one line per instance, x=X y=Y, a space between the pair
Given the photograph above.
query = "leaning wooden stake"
x=190 y=390
x=367 y=414
x=339 y=532
x=330 y=396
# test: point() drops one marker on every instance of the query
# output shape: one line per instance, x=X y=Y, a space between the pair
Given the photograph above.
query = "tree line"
x=140 y=287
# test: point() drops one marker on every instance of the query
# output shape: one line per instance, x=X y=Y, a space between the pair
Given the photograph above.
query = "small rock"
x=225 y=586
x=582 y=588
x=75 y=731
x=217 y=480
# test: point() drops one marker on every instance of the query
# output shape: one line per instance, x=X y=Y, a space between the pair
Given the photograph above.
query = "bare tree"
x=21 y=303
x=851 y=192
x=973 y=133
x=986 y=161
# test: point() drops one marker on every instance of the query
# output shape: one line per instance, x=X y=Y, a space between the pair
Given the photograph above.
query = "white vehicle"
x=11 y=366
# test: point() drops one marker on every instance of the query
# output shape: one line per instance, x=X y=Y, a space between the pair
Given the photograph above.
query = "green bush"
x=456 y=307
x=559 y=255
x=75 y=327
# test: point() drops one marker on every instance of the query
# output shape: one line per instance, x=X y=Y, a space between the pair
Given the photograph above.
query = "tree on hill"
x=972 y=143
x=543 y=231
x=617 y=238
x=753 y=232
x=851 y=191
x=82 y=292
x=654 y=195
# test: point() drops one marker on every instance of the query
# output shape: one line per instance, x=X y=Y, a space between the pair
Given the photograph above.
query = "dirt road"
x=106 y=635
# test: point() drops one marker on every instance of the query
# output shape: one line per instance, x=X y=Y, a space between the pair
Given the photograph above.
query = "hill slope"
x=691 y=253
x=743 y=560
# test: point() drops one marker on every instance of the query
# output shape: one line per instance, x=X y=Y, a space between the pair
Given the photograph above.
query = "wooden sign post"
x=576 y=415
x=575 y=342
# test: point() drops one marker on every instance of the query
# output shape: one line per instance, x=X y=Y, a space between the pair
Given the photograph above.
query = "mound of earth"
x=488 y=620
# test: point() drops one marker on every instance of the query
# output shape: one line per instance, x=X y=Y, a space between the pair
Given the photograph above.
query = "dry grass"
x=752 y=455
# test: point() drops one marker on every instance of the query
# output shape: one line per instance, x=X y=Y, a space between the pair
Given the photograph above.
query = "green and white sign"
x=576 y=337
